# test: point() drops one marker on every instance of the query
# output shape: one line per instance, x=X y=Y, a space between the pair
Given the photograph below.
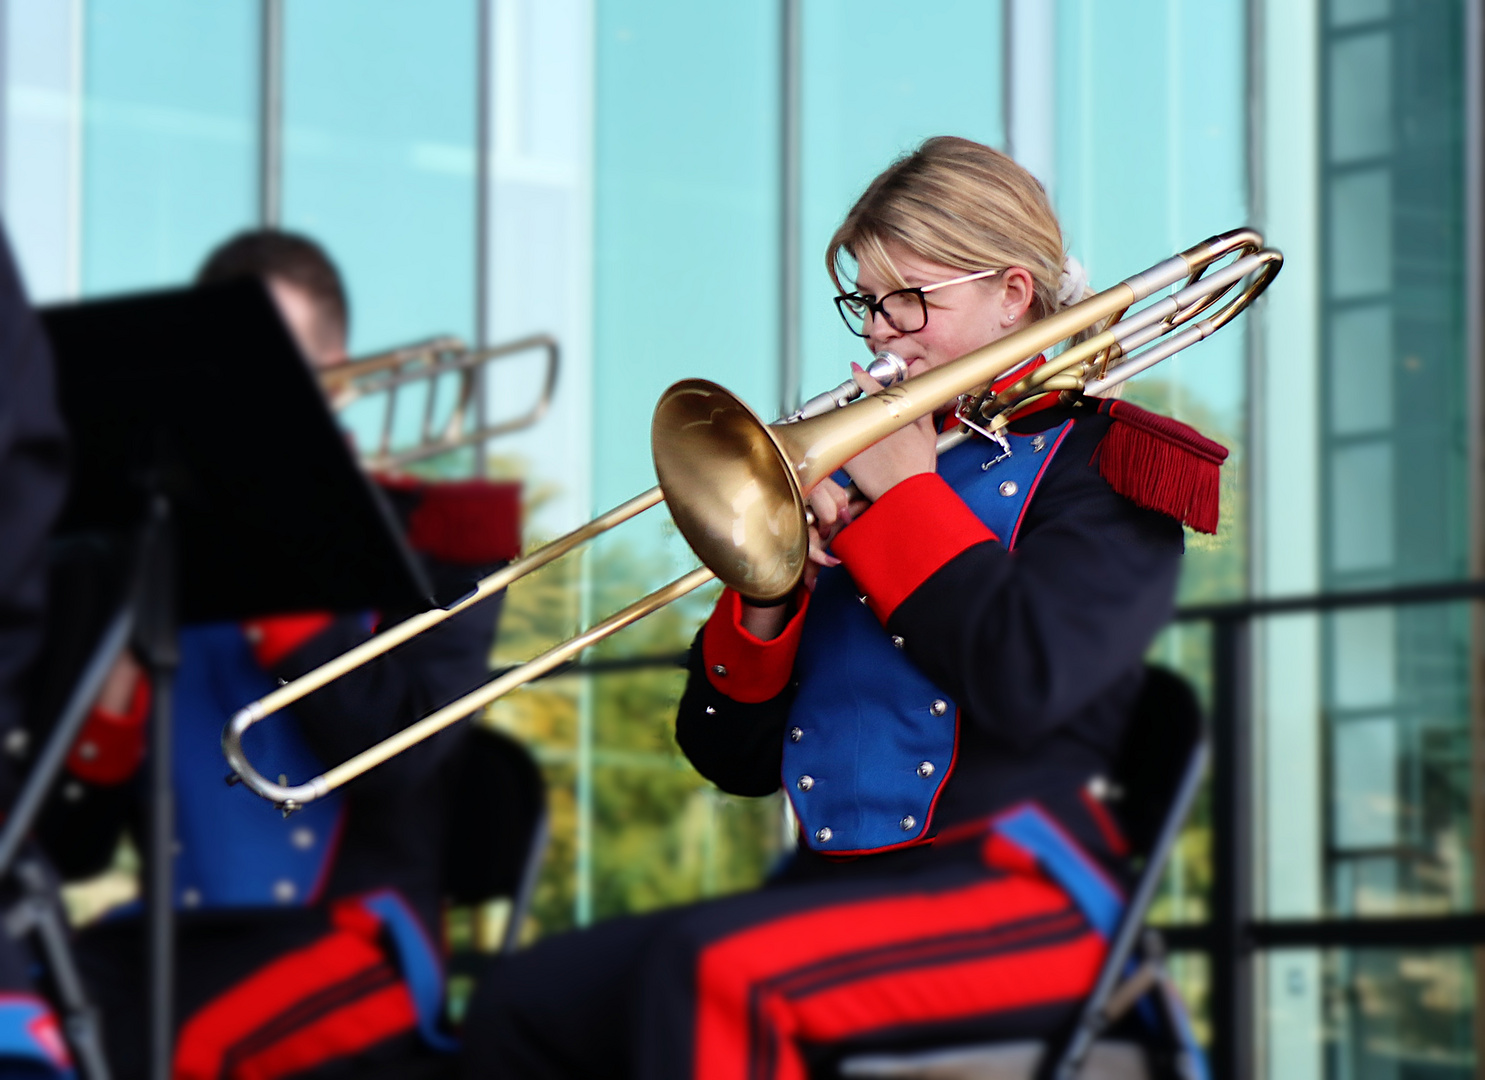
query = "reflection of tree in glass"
x=661 y=834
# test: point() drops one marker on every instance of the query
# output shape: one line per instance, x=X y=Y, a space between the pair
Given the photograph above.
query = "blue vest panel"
x=871 y=739
x=234 y=849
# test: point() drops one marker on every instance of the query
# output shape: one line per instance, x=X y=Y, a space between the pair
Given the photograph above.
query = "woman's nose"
x=880 y=332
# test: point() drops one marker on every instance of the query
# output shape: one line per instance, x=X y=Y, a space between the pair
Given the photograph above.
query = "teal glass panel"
x=1361 y=504
x=1361 y=353
x=875 y=85
x=40 y=155
x=379 y=109
x=1368 y=1014
x=686 y=194
x=1151 y=158
x=1351 y=12
x=685 y=284
x=1360 y=97
x=170 y=133
x=1360 y=234
x=1401 y=834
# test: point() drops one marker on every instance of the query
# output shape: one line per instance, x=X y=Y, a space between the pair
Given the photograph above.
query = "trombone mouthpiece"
x=886 y=367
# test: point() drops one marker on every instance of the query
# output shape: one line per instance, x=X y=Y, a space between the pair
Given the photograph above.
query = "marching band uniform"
x=308 y=939
x=33 y=482
x=941 y=711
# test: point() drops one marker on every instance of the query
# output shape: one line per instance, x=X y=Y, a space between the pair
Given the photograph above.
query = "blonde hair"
x=958 y=203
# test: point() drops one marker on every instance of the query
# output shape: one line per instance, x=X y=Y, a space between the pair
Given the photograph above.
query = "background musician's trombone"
x=737 y=486
x=448 y=421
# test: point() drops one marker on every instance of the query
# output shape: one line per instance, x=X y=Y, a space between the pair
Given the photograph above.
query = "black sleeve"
x=1024 y=640
x=32 y=484
x=737 y=746
x=394 y=690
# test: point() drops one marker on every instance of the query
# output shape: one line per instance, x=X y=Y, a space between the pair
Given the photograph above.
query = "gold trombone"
x=736 y=486
x=435 y=364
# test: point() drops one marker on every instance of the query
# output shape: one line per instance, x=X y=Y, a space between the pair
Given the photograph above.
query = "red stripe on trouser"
x=363 y=1023
x=212 y=1040
x=730 y=971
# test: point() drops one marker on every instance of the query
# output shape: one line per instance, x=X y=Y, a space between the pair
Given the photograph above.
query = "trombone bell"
x=730 y=489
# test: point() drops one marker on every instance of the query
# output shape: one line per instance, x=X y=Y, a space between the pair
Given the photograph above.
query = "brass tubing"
x=1151 y=322
x=737 y=487
x=390 y=638
x=291 y=797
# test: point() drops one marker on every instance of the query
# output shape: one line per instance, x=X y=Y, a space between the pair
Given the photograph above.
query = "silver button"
x=719 y=670
x=805 y=782
x=795 y=734
x=939 y=707
x=862 y=597
x=302 y=838
x=88 y=751
x=1009 y=488
x=72 y=791
x=191 y=898
x=824 y=834
x=711 y=710
x=17 y=742
x=284 y=891
x=925 y=769
x=909 y=823
x=1038 y=444
x=897 y=641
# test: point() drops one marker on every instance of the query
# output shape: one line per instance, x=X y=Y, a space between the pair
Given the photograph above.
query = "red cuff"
x=905 y=536
x=742 y=666
x=111 y=745
x=469 y=522
x=276 y=636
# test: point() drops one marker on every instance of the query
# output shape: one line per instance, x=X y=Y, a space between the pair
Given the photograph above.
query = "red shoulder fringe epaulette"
x=1161 y=464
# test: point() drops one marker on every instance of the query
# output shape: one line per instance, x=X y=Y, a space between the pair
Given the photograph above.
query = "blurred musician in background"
x=33 y=481
x=311 y=941
x=942 y=698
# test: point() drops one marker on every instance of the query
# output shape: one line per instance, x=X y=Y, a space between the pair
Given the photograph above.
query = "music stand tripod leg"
x=160 y=651
x=40 y=903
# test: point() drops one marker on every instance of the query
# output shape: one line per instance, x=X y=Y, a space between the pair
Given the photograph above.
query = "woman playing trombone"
x=942 y=698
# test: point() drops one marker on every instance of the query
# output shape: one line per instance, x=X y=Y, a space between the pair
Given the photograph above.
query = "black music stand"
x=199 y=431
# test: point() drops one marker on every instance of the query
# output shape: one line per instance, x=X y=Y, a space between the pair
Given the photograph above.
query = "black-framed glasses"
x=905 y=310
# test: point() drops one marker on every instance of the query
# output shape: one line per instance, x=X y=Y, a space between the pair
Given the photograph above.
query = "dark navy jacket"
x=1038 y=648
x=385 y=829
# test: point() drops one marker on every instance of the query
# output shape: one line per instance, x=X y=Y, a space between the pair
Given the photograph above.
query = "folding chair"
x=493 y=848
x=1159 y=772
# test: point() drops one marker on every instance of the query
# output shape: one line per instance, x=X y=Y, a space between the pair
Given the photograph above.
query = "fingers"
x=831 y=507
x=867 y=384
x=817 y=552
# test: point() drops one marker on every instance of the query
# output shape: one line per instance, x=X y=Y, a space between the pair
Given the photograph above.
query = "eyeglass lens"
x=905 y=311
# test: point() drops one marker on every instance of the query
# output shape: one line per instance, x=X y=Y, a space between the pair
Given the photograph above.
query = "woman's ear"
x=1017 y=291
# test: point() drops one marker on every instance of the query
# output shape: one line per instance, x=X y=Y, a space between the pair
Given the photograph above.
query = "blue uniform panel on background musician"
x=233 y=848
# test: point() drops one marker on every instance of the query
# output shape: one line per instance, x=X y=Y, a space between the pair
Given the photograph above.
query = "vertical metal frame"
x=1232 y=853
x=791 y=118
x=4 y=97
x=484 y=27
x=270 y=113
x=1474 y=300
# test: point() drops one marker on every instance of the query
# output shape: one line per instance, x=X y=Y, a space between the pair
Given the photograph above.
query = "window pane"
x=379 y=138
x=1361 y=365
x=860 y=114
x=1357 y=1014
x=170 y=137
x=1360 y=233
x=1361 y=97
x=1361 y=508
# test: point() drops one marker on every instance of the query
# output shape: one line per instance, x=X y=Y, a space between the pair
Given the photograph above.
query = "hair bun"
x=1074 y=283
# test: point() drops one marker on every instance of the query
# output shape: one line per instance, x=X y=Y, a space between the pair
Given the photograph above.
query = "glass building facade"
x=653 y=182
